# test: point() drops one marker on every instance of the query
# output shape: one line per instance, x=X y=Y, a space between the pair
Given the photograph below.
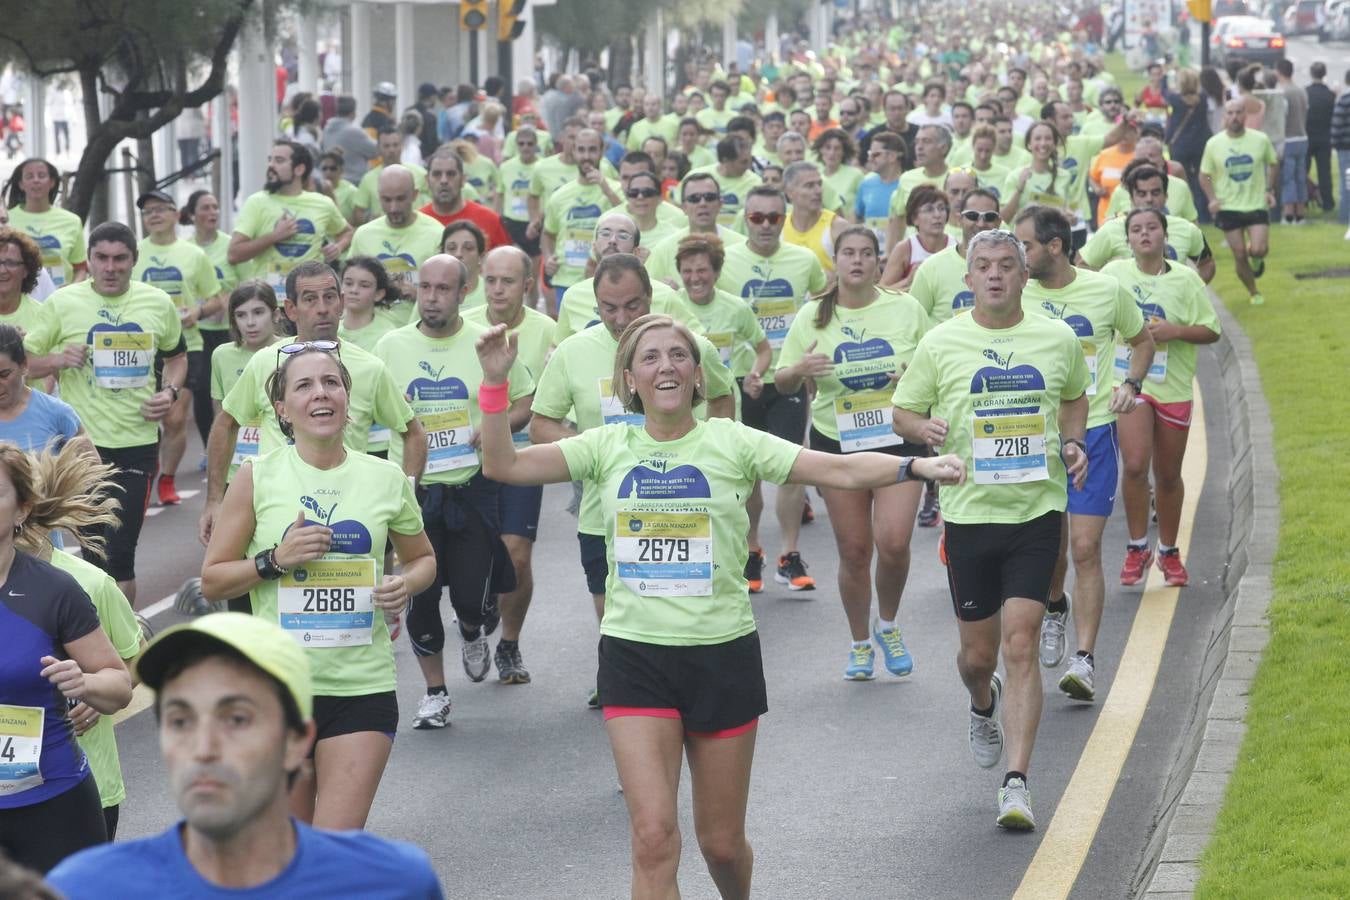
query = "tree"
x=147 y=55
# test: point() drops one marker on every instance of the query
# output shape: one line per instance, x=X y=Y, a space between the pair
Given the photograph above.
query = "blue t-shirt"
x=45 y=419
x=874 y=198
x=41 y=610
x=326 y=864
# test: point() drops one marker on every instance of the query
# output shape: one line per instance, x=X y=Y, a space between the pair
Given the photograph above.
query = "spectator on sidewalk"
x=1340 y=142
x=1294 y=158
x=357 y=147
x=1321 y=100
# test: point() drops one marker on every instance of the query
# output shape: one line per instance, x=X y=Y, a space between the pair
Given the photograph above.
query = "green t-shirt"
x=999 y=391
x=1099 y=311
x=481 y=175
x=1110 y=242
x=734 y=191
x=362 y=500
x=714 y=121
x=399 y=250
x=729 y=324
x=665 y=226
x=776 y=287
x=908 y=182
x=661 y=260
x=317 y=218
x=182 y=271
x=1180 y=202
x=1076 y=159
x=577 y=380
x=513 y=187
x=218 y=252
x=123 y=335
x=398 y=313
x=844 y=182
x=1040 y=188
x=124 y=632
x=368 y=191
x=674 y=521
x=25 y=318
x=570 y=215
x=534 y=333
x=1237 y=166
x=939 y=286
x=1014 y=159
x=374 y=398
x=667 y=127
x=441 y=377
x=1178 y=296
x=227 y=363
x=702 y=157
x=867 y=345
x=344 y=195
x=368 y=335
x=551 y=175
x=579 y=309
x=59 y=234
x=510 y=151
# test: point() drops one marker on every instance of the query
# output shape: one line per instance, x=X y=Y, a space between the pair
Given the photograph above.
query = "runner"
x=434 y=363
x=1100 y=311
x=20 y=268
x=927 y=211
x=710 y=660
x=734 y=176
x=445 y=178
x=776 y=279
x=1009 y=424
x=809 y=224
x=465 y=242
x=1237 y=174
x=181 y=269
x=571 y=214
x=284 y=225
x=244 y=685
x=342 y=191
x=400 y=239
x=1180 y=316
x=513 y=191
x=506 y=278
x=30 y=419
x=989 y=176
x=701 y=201
x=253 y=320
x=202 y=212
x=645 y=206
x=853 y=346
x=931 y=146
x=366 y=307
x=884 y=158
x=59 y=233
x=1145 y=186
x=1043 y=181
x=101 y=338
x=279 y=539
x=390 y=141
x=836 y=151
x=54 y=655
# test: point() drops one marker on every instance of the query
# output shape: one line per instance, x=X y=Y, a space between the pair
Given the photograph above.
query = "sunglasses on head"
x=762 y=218
x=305 y=347
x=635 y=193
x=988 y=218
x=709 y=197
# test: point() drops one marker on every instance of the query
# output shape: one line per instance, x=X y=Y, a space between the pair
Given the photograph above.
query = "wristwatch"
x=907 y=472
x=1135 y=383
x=266 y=564
x=173 y=389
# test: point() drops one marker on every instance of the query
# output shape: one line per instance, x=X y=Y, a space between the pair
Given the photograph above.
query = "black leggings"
x=41 y=835
x=111 y=814
x=203 y=412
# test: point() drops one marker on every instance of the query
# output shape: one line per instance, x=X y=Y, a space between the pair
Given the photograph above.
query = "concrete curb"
x=1194 y=792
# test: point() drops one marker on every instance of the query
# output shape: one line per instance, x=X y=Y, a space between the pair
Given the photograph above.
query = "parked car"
x=1302 y=17
x=1222 y=8
x=1337 y=24
x=1239 y=40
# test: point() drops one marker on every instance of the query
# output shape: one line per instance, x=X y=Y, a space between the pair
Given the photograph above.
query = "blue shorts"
x=594 y=561
x=1098 y=496
x=518 y=507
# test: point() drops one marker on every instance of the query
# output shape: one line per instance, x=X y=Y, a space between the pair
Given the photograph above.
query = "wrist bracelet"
x=494 y=398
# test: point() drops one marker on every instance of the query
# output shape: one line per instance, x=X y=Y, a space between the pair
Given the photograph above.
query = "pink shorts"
x=659 y=712
x=1173 y=415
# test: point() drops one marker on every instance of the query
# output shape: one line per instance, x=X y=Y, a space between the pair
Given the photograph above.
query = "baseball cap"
x=260 y=641
x=163 y=196
x=427 y=89
x=386 y=89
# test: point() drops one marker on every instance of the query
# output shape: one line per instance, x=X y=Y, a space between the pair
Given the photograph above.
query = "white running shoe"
x=1077 y=679
x=1014 y=806
x=986 y=734
x=433 y=712
x=1052 y=634
x=477 y=657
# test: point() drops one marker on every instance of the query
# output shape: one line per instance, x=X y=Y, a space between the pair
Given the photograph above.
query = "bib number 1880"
x=663 y=549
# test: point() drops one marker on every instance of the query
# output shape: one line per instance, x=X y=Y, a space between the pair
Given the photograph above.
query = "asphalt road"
x=863 y=789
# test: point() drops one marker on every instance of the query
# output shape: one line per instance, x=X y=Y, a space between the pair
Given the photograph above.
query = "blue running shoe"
x=893 y=652
x=860 y=664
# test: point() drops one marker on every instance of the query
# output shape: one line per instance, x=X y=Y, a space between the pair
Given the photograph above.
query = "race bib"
x=328 y=602
x=379 y=436
x=1090 y=357
x=1009 y=449
x=1157 y=370
x=775 y=317
x=577 y=251
x=246 y=444
x=122 y=358
x=519 y=208
x=1044 y=198
x=864 y=421
x=58 y=274
x=276 y=280
x=448 y=436
x=722 y=340
x=521 y=438
x=611 y=410
x=664 y=554
x=20 y=748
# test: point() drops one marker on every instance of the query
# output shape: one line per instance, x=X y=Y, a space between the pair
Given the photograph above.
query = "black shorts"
x=1231 y=220
x=714 y=687
x=518 y=508
x=336 y=716
x=517 y=231
x=989 y=564
x=826 y=444
x=198 y=371
x=594 y=561
x=781 y=415
x=135 y=476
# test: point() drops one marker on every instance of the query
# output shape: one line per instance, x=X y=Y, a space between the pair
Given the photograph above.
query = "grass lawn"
x=1284 y=830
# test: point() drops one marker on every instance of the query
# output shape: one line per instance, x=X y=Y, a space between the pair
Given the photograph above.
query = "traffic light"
x=1201 y=10
x=509 y=26
x=473 y=14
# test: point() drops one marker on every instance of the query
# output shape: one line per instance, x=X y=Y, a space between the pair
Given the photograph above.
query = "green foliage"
x=593 y=25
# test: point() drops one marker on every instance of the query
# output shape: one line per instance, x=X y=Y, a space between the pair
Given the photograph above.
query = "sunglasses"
x=635 y=193
x=762 y=218
x=988 y=218
x=709 y=197
x=305 y=347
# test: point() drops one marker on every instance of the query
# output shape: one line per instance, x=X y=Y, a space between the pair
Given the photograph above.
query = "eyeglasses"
x=646 y=193
x=11 y=264
x=762 y=218
x=988 y=218
x=709 y=197
x=605 y=234
x=306 y=346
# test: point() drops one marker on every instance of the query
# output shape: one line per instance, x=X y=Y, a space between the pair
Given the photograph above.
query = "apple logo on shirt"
x=963 y=300
x=393 y=253
x=1080 y=324
x=349 y=535
x=434 y=389
x=166 y=277
x=1005 y=376
x=112 y=322
x=583 y=213
x=858 y=350
x=652 y=480
x=1239 y=166
x=297 y=245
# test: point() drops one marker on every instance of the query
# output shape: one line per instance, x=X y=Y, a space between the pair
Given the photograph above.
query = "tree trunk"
x=87 y=194
x=620 y=60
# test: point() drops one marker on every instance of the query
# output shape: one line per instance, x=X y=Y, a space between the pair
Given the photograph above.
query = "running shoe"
x=754 y=571
x=1014 y=806
x=986 y=734
x=1258 y=299
x=942 y=548
x=1077 y=679
x=593 y=699
x=433 y=712
x=168 y=494
x=859 y=664
x=893 y=652
x=190 y=602
x=930 y=513
x=201 y=463
x=1137 y=560
x=510 y=670
x=1174 y=573
x=477 y=657
x=792 y=572
x=1052 y=634
x=808 y=514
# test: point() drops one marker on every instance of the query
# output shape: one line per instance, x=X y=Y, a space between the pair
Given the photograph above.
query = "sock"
x=985 y=713
x=470 y=635
x=858 y=645
x=441 y=691
x=1163 y=548
x=1086 y=655
x=885 y=624
x=504 y=644
x=1059 y=606
x=1011 y=775
x=1141 y=544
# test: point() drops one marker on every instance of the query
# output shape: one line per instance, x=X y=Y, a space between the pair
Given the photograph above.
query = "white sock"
x=884 y=625
x=1141 y=544
x=1163 y=548
x=858 y=645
